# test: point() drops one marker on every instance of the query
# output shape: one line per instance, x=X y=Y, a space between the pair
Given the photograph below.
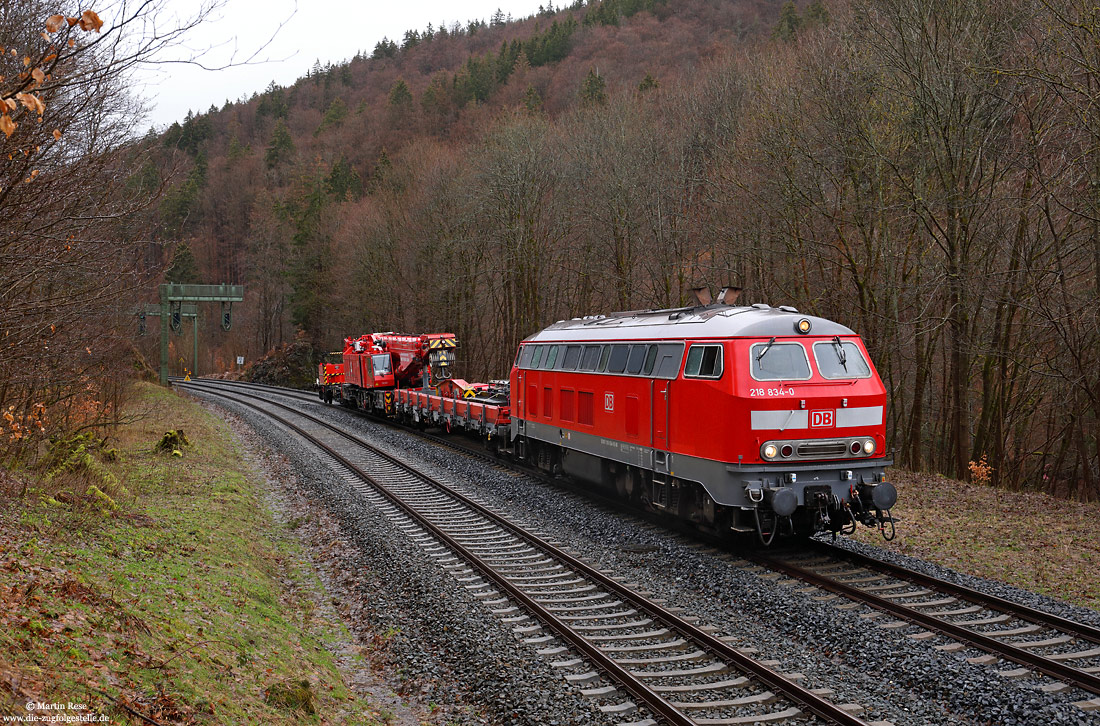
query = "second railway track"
x=1063 y=649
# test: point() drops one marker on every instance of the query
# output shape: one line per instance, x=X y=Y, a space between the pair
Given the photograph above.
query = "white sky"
x=304 y=31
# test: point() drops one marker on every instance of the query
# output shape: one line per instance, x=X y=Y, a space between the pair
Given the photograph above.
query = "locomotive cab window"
x=650 y=360
x=669 y=356
x=704 y=361
x=840 y=359
x=773 y=361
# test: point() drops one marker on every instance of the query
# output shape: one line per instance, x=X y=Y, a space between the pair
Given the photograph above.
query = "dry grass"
x=1030 y=540
x=184 y=601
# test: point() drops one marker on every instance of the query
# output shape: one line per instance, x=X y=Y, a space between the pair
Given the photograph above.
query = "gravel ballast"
x=444 y=644
x=891 y=675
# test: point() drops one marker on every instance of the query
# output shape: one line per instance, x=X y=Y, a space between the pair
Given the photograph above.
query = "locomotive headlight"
x=869 y=446
x=803 y=326
x=770 y=451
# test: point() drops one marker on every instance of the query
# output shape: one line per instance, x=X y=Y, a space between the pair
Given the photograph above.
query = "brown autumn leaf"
x=38 y=75
x=57 y=134
x=32 y=102
x=72 y=21
x=11 y=104
x=26 y=60
x=72 y=42
x=53 y=24
x=90 y=21
x=7 y=125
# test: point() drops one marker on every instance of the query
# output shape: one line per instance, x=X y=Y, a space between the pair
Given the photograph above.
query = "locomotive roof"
x=709 y=321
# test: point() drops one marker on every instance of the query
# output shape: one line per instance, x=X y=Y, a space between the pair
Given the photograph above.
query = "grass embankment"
x=1034 y=541
x=171 y=593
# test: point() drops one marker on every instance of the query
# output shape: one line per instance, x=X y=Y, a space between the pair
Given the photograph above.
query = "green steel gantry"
x=172 y=294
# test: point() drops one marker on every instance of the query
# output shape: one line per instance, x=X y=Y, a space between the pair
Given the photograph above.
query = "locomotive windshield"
x=783 y=362
x=840 y=359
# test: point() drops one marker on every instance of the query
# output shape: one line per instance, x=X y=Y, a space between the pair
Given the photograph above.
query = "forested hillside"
x=923 y=171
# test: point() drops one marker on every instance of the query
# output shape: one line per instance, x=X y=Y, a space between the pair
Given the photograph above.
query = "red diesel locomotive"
x=737 y=418
x=744 y=419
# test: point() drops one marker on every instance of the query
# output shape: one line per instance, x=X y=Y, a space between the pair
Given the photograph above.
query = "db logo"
x=609 y=402
x=819 y=419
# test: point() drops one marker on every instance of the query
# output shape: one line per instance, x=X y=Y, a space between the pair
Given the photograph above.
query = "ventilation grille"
x=823 y=448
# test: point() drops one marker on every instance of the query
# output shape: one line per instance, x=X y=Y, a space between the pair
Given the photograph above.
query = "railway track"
x=607 y=638
x=1031 y=641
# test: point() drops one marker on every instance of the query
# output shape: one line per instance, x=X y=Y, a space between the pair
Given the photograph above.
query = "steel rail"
x=1074 y=676
x=800 y=696
x=1066 y=673
x=1030 y=614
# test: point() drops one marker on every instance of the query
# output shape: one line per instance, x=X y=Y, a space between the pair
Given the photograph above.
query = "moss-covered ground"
x=167 y=594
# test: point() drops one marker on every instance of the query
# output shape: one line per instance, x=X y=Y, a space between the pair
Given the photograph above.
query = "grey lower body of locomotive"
x=779 y=488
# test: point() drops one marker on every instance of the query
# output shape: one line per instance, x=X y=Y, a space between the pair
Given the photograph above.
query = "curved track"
x=1063 y=649
x=681 y=672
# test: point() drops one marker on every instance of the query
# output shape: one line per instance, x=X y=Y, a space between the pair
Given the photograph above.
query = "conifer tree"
x=400 y=95
x=817 y=15
x=789 y=23
x=281 y=147
x=184 y=269
x=593 y=89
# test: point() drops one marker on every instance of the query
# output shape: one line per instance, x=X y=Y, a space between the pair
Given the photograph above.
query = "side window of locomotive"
x=843 y=360
x=604 y=355
x=704 y=361
x=619 y=354
x=524 y=358
x=779 y=362
x=650 y=360
x=551 y=357
x=536 y=358
x=591 y=357
x=572 y=358
x=636 y=360
x=669 y=356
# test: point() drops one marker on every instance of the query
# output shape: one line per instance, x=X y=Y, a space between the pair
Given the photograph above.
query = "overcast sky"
x=304 y=31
